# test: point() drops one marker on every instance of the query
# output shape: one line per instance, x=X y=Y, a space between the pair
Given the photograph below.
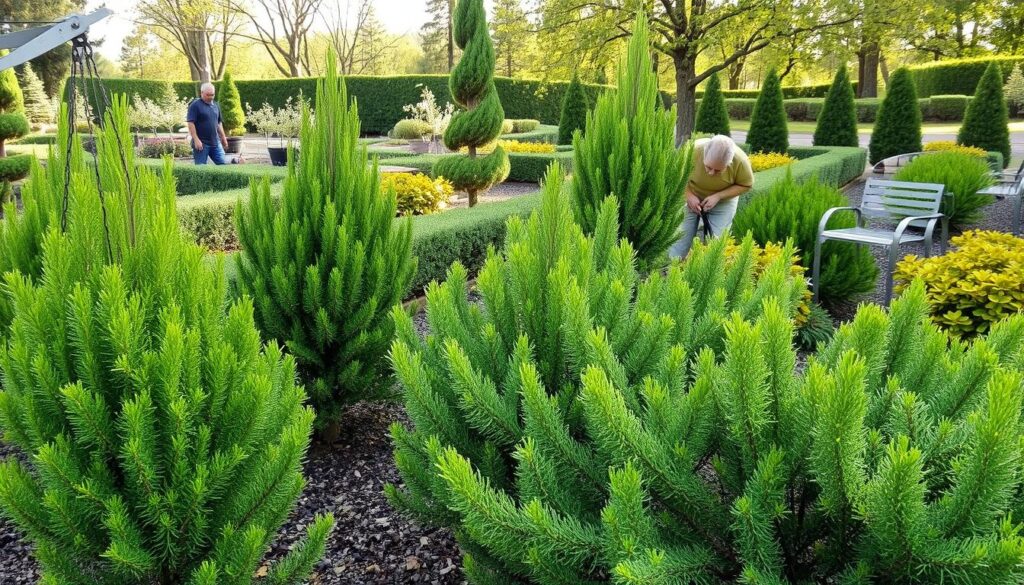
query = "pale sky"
x=398 y=16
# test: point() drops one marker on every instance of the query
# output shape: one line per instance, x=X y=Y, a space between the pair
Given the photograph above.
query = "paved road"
x=801 y=139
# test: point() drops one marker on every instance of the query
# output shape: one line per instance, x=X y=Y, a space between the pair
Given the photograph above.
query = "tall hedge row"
x=381 y=98
x=788 y=92
x=957 y=76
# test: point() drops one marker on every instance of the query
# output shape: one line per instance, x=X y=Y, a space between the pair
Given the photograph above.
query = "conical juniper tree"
x=574 y=111
x=166 y=441
x=712 y=116
x=986 y=121
x=769 y=131
x=499 y=383
x=472 y=87
x=898 y=124
x=326 y=263
x=894 y=457
x=628 y=150
x=837 y=122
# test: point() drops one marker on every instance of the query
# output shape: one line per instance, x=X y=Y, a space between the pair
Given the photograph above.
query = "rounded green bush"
x=13 y=125
x=479 y=173
x=792 y=210
x=14 y=168
x=524 y=125
x=962 y=174
x=411 y=130
x=508 y=126
x=712 y=117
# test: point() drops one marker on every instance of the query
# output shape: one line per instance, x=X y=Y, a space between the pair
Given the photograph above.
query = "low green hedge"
x=192 y=179
x=544 y=133
x=525 y=167
x=209 y=218
x=36 y=139
x=957 y=76
x=833 y=165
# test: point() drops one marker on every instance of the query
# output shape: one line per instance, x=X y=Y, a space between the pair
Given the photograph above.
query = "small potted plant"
x=232 y=114
x=284 y=123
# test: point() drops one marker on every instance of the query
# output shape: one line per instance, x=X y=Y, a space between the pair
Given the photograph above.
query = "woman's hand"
x=692 y=202
x=710 y=202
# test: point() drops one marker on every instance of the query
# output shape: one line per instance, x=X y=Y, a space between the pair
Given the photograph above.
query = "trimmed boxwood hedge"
x=381 y=98
x=957 y=76
x=192 y=179
x=525 y=167
x=788 y=92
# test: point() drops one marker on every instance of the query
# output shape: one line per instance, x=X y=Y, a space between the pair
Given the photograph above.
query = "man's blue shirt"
x=206 y=117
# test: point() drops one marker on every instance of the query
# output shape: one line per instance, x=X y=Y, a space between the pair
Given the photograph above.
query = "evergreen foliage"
x=13 y=124
x=574 y=111
x=567 y=436
x=963 y=175
x=325 y=264
x=231 y=107
x=986 y=121
x=166 y=441
x=791 y=210
x=898 y=124
x=38 y=106
x=837 y=122
x=472 y=87
x=768 y=130
x=11 y=98
x=712 y=116
x=495 y=392
x=628 y=150
x=1014 y=91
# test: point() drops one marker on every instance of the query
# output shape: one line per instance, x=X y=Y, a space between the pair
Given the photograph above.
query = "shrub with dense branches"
x=231 y=107
x=986 y=121
x=837 y=122
x=325 y=264
x=769 y=131
x=712 y=116
x=165 y=440
x=574 y=111
x=628 y=150
x=898 y=123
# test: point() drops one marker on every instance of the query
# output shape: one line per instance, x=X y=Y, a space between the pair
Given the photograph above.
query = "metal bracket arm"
x=30 y=43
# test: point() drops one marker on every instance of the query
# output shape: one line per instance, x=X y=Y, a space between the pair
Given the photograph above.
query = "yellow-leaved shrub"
x=973 y=286
x=762 y=161
x=517 y=146
x=951 y=145
x=418 y=194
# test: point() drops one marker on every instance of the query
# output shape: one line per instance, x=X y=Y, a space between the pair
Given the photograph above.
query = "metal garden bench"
x=891 y=202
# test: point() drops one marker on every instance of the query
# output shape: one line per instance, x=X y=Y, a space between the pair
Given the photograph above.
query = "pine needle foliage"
x=325 y=264
x=472 y=87
x=837 y=122
x=769 y=131
x=898 y=123
x=38 y=107
x=986 y=121
x=515 y=394
x=574 y=111
x=583 y=425
x=712 y=116
x=166 y=441
x=628 y=150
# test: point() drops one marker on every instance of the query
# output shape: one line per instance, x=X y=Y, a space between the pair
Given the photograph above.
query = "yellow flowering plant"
x=418 y=194
x=517 y=146
x=951 y=145
x=977 y=284
x=762 y=161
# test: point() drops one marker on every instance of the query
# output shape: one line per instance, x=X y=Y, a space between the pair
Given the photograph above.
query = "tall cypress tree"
x=628 y=150
x=574 y=111
x=231 y=106
x=898 y=124
x=472 y=87
x=712 y=117
x=768 y=129
x=986 y=121
x=326 y=263
x=38 y=108
x=837 y=123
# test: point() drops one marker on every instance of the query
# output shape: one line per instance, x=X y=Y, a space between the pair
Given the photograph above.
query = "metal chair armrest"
x=906 y=221
x=828 y=215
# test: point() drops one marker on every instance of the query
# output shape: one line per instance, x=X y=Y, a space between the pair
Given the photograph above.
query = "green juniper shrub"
x=898 y=123
x=986 y=121
x=962 y=174
x=817 y=328
x=13 y=124
x=524 y=125
x=768 y=130
x=574 y=111
x=411 y=130
x=628 y=150
x=837 y=123
x=231 y=106
x=791 y=210
x=325 y=264
x=172 y=442
x=160 y=147
x=712 y=117
x=38 y=107
x=472 y=87
x=578 y=428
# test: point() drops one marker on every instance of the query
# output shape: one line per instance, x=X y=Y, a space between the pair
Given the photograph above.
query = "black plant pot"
x=234 y=144
x=279 y=155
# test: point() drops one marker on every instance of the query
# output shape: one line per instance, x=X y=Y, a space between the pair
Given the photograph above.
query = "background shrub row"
x=957 y=76
x=938 y=108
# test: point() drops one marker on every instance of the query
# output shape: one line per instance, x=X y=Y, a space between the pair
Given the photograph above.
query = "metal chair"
x=1007 y=183
x=893 y=202
x=1017 y=194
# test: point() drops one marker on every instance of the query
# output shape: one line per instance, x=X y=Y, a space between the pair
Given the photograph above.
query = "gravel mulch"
x=996 y=217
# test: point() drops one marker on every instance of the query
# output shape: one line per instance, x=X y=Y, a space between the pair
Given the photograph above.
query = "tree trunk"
x=860 y=73
x=199 y=64
x=735 y=72
x=869 y=68
x=685 y=97
x=884 y=65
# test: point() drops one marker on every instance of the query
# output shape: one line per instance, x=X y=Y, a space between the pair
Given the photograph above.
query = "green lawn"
x=926 y=128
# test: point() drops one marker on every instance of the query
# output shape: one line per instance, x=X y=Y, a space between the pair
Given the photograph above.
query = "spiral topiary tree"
x=712 y=117
x=768 y=129
x=986 y=119
x=898 y=124
x=574 y=111
x=837 y=123
x=472 y=87
x=231 y=107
